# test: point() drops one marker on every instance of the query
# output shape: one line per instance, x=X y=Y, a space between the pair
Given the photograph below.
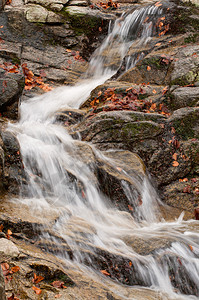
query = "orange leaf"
x=37 y=279
x=154 y=91
x=100 y=29
x=15 y=269
x=1 y=227
x=175 y=156
x=130 y=264
x=9 y=232
x=158 y=44
x=58 y=296
x=36 y=290
x=175 y=163
x=191 y=248
x=148 y=68
x=105 y=272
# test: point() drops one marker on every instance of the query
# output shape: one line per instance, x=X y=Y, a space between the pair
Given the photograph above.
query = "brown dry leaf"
x=58 y=284
x=58 y=296
x=15 y=269
x=175 y=156
x=36 y=290
x=105 y=272
x=148 y=68
x=1 y=227
x=175 y=163
x=187 y=189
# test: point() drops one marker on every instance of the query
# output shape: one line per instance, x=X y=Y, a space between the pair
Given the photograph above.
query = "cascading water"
x=88 y=223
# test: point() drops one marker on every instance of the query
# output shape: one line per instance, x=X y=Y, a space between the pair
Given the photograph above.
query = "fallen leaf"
x=148 y=68
x=105 y=272
x=191 y=248
x=194 y=180
x=175 y=156
x=15 y=269
x=175 y=163
x=154 y=91
x=1 y=227
x=58 y=296
x=36 y=290
x=37 y=279
x=58 y=284
x=130 y=207
x=187 y=189
x=158 y=44
x=9 y=232
x=130 y=264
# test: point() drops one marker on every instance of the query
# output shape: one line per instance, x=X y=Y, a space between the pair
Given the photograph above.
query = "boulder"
x=36 y=13
x=183 y=96
x=185 y=66
x=182 y=194
x=8 y=250
x=120 y=127
x=2 y=286
x=186 y=122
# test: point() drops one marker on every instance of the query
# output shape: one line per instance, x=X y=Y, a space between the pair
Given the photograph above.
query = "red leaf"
x=187 y=189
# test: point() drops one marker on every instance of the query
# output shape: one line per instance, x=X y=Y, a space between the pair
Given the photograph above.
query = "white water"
x=90 y=222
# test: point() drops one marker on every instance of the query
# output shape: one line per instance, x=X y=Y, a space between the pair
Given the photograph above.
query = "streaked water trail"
x=88 y=223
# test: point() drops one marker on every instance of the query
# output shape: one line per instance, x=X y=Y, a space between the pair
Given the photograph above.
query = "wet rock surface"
x=41 y=44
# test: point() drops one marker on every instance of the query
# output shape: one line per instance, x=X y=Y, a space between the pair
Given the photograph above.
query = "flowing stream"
x=88 y=223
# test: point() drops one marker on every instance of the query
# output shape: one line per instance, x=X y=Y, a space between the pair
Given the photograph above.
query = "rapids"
x=90 y=224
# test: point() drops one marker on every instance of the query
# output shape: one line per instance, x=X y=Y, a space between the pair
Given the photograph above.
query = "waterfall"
x=88 y=223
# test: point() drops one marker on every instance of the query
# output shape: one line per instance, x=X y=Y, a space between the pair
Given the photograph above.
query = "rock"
x=1 y=167
x=13 y=167
x=115 y=126
x=184 y=96
x=122 y=89
x=2 y=286
x=11 y=85
x=186 y=122
x=182 y=194
x=70 y=116
x=159 y=62
x=36 y=13
x=8 y=249
x=55 y=62
x=185 y=66
x=78 y=3
x=54 y=18
x=11 y=51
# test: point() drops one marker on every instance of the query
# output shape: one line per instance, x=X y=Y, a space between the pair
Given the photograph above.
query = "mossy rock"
x=186 y=122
